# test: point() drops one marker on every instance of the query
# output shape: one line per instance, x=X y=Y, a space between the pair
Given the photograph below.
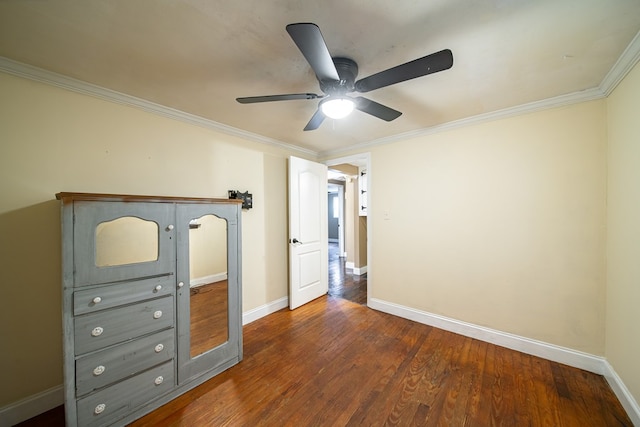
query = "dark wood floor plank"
x=503 y=407
x=545 y=391
x=390 y=352
x=475 y=365
x=431 y=391
x=485 y=401
x=569 y=410
x=344 y=383
x=526 y=403
x=424 y=408
x=457 y=394
x=342 y=282
x=291 y=367
x=406 y=404
x=344 y=356
x=333 y=362
x=591 y=395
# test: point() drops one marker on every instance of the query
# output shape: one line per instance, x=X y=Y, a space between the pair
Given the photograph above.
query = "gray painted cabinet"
x=151 y=300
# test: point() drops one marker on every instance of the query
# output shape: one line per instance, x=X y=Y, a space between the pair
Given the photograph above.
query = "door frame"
x=362 y=159
x=341 y=207
x=341 y=220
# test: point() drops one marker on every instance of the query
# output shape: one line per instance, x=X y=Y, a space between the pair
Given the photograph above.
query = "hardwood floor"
x=342 y=282
x=337 y=363
x=208 y=306
x=333 y=362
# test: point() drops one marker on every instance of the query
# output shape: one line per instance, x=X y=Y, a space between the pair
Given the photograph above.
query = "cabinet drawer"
x=108 y=366
x=108 y=327
x=108 y=405
x=103 y=297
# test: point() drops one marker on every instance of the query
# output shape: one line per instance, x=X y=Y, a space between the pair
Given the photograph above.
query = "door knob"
x=294 y=240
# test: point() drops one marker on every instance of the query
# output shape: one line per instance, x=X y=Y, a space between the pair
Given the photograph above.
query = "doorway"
x=348 y=260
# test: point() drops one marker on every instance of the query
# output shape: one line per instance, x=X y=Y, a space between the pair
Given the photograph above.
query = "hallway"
x=342 y=282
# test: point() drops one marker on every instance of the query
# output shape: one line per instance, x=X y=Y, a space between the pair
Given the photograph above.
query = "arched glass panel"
x=126 y=240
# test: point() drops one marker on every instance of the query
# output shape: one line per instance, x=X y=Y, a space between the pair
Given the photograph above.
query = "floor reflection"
x=342 y=282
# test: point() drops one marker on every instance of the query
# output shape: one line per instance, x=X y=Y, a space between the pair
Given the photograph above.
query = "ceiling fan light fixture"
x=337 y=108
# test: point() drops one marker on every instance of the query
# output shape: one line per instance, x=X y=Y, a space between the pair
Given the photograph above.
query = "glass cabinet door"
x=115 y=241
x=208 y=287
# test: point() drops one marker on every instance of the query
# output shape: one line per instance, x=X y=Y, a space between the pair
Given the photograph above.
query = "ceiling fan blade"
x=316 y=120
x=429 y=64
x=269 y=98
x=309 y=40
x=375 y=109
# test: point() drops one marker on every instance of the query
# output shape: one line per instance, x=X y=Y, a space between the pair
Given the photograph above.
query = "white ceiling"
x=197 y=56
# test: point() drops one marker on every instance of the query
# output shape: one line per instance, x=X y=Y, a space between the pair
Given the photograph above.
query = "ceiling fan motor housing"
x=348 y=71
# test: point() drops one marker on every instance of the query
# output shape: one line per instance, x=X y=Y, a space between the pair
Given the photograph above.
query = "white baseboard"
x=205 y=280
x=555 y=353
x=31 y=406
x=623 y=394
x=360 y=271
x=264 y=310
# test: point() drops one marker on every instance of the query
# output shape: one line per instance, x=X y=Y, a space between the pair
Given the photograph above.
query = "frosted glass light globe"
x=337 y=108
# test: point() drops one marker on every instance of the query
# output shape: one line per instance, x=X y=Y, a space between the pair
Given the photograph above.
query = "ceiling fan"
x=337 y=77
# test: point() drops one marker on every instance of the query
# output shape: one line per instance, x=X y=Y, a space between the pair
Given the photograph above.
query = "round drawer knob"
x=157 y=314
x=96 y=332
x=100 y=408
x=181 y=284
x=158 y=288
x=158 y=380
x=169 y=227
x=96 y=300
x=159 y=348
x=98 y=370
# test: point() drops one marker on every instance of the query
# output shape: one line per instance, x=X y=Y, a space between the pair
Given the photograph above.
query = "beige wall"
x=500 y=224
x=208 y=248
x=361 y=259
x=623 y=228
x=53 y=140
x=350 y=212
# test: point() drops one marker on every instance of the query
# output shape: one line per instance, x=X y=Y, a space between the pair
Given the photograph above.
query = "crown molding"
x=545 y=104
x=58 y=80
x=622 y=67
x=629 y=58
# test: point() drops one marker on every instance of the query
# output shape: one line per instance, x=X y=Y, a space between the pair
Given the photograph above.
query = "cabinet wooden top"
x=68 y=197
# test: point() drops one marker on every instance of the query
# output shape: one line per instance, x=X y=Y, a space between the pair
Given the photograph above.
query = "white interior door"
x=308 y=233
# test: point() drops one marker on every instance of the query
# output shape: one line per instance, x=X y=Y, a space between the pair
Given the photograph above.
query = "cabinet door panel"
x=219 y=319
x=122 y=241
